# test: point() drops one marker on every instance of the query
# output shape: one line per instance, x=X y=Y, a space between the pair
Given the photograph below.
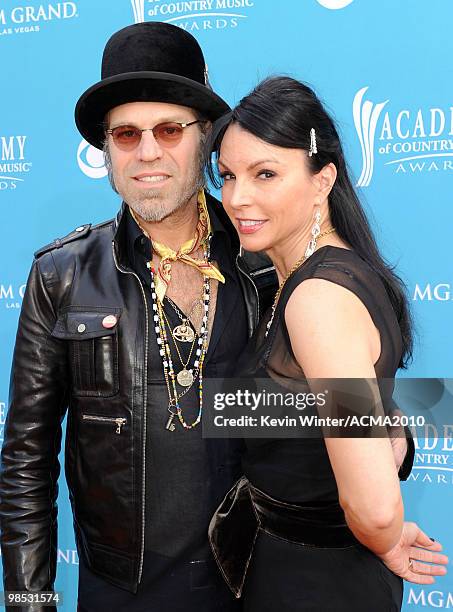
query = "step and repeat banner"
x=383 y=69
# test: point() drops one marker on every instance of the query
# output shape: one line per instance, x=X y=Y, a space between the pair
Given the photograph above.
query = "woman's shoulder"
x=329 y=292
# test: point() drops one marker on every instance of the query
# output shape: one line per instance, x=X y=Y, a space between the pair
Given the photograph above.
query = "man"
x=101 y=307
x=120 y=322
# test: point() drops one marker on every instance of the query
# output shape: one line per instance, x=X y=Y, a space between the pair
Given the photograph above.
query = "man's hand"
x=416 y=558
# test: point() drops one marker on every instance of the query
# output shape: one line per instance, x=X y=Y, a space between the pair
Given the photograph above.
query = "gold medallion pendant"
x=184 y=333
x=185 y=378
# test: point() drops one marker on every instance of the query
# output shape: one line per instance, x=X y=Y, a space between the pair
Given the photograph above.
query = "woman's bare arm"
x=333 y=336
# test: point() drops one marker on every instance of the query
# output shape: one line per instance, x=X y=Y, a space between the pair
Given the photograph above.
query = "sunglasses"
x=168 y=134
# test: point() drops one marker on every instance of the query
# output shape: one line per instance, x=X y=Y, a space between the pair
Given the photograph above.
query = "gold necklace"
x=298 y=263
x=184 y=377
x=184 y=332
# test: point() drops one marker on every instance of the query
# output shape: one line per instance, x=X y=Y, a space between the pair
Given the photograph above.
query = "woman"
x=316 y=524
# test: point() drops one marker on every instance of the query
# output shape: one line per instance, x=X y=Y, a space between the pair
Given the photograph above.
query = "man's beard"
x=153 y=206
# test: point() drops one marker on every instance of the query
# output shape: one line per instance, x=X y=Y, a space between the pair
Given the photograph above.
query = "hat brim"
x=101 y=97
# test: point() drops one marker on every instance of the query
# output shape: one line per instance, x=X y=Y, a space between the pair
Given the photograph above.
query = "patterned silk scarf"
x=162 y=275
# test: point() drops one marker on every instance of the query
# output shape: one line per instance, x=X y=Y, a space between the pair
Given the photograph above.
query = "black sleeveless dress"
x=282 y=575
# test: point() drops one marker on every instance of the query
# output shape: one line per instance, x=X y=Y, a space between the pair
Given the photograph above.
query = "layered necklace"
x=184 y=333
x=297 y=265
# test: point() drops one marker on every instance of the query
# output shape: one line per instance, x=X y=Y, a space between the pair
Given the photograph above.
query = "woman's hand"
x=416 y=557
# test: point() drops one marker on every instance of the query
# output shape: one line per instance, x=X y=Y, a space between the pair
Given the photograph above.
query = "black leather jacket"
x=64 y=357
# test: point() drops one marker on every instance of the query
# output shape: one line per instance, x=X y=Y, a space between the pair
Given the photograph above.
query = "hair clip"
x=313 y=148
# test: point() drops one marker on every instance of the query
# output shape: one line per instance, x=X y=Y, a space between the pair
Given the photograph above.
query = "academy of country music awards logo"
x=14 y=164
x=194 y=15
x=433 y=463
x=30 y=17
x=431 y=399
x=406 y=141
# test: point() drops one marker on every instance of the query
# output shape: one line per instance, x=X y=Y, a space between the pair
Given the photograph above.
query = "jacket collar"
x=119 y=236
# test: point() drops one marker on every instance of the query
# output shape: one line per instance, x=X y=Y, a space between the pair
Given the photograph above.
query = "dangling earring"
x=315 y=231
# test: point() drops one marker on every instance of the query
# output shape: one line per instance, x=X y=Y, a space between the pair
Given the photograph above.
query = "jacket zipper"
x=262 y=271
x=257 y=310
x=118 y=421
x=145 y=396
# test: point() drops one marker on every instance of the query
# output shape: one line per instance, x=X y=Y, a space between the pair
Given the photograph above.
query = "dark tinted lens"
x=126 y=136
x=168 y=133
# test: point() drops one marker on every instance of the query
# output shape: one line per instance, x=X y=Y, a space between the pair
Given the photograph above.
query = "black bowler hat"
x=147 y=62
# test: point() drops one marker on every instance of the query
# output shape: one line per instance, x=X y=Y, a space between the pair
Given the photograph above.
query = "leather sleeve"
x=29 y=462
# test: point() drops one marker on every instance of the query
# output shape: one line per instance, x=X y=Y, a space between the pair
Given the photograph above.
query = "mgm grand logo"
x=438 y=292
x=11 y=296
x=429 y=598
x=29 y=18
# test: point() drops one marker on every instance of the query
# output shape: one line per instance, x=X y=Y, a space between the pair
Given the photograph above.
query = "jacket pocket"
x=92 y=347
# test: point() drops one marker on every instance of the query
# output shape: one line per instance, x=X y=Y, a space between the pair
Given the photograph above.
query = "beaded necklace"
x=167 y=362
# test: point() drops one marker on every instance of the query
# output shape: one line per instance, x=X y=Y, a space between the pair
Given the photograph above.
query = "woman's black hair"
x=282 y=111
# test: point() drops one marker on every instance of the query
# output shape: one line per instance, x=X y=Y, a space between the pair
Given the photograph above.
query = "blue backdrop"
x=383 y=68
